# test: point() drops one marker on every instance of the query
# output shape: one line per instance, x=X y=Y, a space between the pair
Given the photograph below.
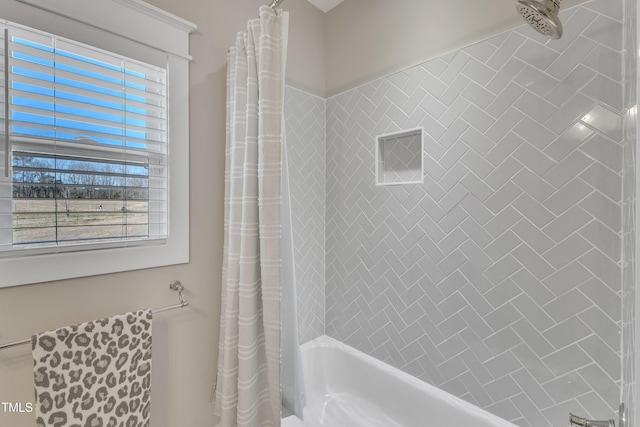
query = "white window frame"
x=138 y=30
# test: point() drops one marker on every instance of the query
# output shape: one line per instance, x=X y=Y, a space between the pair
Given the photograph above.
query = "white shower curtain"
x=248 y=379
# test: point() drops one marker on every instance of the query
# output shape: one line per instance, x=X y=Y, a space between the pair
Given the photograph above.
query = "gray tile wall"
x=305 y=131
x=629 y=213
x=499 y=278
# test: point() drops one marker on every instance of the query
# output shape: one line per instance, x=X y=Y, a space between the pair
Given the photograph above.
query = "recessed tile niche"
x=399 y=158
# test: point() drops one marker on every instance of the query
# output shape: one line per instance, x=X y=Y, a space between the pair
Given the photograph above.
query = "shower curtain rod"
x=174 y=285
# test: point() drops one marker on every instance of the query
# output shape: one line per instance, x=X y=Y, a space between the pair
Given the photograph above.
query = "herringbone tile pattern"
x=629 y=214
x=305 y=131
x=499 y=278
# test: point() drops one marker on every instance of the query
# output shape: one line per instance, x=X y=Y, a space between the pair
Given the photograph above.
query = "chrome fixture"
x=175 y=285
x=542 y=16
x=275 y=3
x=583 y=422
x=622 y=415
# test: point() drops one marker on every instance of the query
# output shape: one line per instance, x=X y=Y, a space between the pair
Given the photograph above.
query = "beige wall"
x=368 y=39
x=185 y=341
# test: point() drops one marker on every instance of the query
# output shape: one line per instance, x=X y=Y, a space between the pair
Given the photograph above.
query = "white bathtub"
x=347 y=388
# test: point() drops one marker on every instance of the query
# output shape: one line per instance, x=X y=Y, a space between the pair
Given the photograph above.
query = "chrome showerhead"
x=542 y=16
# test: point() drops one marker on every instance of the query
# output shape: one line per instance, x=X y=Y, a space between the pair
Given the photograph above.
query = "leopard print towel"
x=96 y=374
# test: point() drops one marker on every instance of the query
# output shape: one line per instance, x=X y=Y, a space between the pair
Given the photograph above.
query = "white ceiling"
x=325 y=5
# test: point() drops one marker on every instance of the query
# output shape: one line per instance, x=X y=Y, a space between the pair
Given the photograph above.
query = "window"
x=94 y=174
x=87 y=144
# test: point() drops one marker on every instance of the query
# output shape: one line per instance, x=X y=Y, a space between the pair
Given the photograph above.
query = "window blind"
x=87 y=145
